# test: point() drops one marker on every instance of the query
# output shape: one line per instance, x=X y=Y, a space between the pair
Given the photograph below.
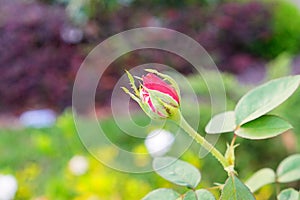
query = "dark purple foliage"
x=37 y=67
x=233 y=31
x=230 y=32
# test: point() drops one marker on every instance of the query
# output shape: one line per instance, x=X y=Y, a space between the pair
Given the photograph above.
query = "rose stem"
x=201 y=140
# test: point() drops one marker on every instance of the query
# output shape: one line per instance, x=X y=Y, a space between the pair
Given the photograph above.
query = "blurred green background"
x=42 y=44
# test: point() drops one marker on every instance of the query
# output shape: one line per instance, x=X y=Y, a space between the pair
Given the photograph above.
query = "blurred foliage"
x=285 y=28
x=36 y=65
x=80 y=11
x=280 y=66
x=39 y=64
x=40 y=164
x=231 y=31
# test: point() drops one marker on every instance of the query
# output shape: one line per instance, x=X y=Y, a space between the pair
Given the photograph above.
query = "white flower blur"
x=71 y=35
x=159 y=142
x=78 y=165
x=297 y=3
x=8 y=187
x=38 y=118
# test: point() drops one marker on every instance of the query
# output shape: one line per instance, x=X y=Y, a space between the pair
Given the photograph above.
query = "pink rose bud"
x=156 y=97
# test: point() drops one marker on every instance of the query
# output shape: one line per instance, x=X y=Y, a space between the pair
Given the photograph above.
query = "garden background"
x=43 y=43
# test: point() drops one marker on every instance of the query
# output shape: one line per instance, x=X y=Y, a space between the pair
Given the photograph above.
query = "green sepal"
x=157 y=103
x=174 y=113
x=144 y=106
x=167 y=99
x=135 y=98
x=132 y=83
x=148 y=111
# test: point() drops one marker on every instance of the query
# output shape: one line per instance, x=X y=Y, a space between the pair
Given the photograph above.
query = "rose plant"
x=159 y=97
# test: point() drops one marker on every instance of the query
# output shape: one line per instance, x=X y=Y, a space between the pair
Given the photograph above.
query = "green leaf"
x=265 y=98
x=289 y=169
x=162 y=194
x=203 y=194
x=234 y=189
x=190 y=195
x=221 y=123
x=289 y=194
x=264 y=127
x=261 y=178
x=177 y=171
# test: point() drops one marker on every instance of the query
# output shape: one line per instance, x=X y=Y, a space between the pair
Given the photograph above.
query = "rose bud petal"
x=157 y=98
x=153 y=82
